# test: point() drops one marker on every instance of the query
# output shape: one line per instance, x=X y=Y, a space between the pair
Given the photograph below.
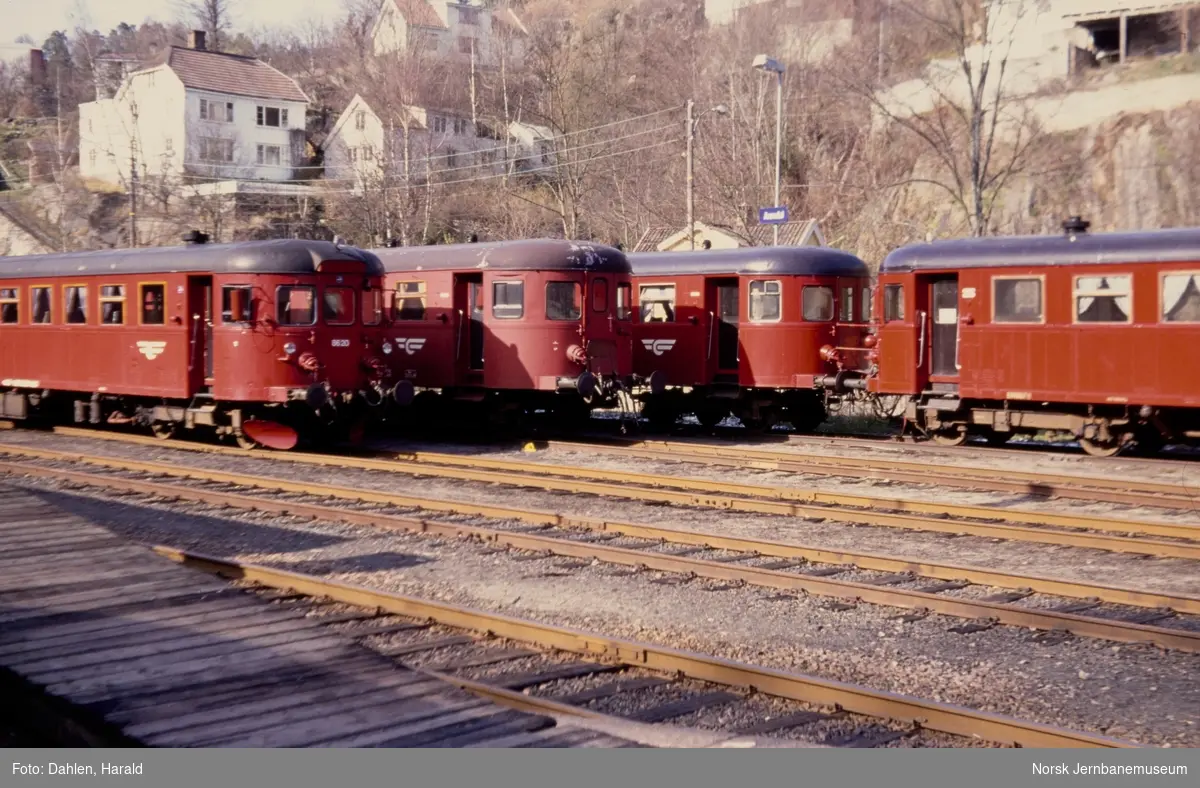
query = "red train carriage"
x=1097 y=335
x=254 y=340
x=752 y=332
x=517 y=325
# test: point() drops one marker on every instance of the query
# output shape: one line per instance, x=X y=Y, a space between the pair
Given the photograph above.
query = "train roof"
x=286 y=256
x=782 y=260
x=1082 y=248
x=542 y=254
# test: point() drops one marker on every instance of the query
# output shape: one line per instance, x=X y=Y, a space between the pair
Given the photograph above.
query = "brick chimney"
x=196 y=39
x=37 y=68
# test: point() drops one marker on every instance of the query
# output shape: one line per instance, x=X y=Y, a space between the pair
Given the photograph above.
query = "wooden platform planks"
x=146 y=651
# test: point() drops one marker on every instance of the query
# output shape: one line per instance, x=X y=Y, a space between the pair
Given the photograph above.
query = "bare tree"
x=213 y=17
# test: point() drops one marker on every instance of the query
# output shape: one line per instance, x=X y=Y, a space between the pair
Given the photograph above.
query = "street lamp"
x=771 y=65
x=692 y=122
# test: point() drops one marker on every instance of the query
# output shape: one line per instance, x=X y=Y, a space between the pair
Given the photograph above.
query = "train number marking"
x=411 y=345
x=340 y=343
x=658 y=346
x=151 y=350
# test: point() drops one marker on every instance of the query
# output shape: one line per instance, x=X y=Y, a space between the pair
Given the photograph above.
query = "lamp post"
x=720 y=109
x=771 y=65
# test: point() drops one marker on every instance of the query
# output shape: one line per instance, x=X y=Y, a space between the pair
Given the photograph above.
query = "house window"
x=219 y=111
x=272 y=116
x=360 y=120
x=816 y=303
x=368 y=153
x=338 y=306
x=1181 y=298
x=461 y=126
x=893 y=303
x=466 y=45
x=624 y=301
x=353 y=154
x=40 y=301
x=658 y=303
x=468 y=16
x=409 y=301
x=765 y=301
x=508 y=299
x=600 y=295
x=10 y=305
x=112 y=305
x=92 y=157
x=1104 y=299
x=153 y=298
x=246 y=312
x=295 y=305
x=451 y=158
x=439 y=124
x=268 y=155
x=216 y=149
x=846 y=309
x=372 y=307
x=563 y=301
x=75 y=303
x=1017 y=300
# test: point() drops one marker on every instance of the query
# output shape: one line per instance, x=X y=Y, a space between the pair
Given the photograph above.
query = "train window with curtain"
x=337 y=306
x=372 y=307
x=562 y=301
x=867 y=307
x=1017 y=299
x=600 y=295
x=75 y=304
x=40 y=301
x=295 y=305
x=154 y=304
x=893 y=303
x=247 y=305
x=10 y=305
x=508 y=299
x=408 y=302
x=846 y=309
x=766 y=300
x=1181 y=298
x=658 y=303
x=816 y=303
x=1104 y=299
x=624 y=301
x=112 y=305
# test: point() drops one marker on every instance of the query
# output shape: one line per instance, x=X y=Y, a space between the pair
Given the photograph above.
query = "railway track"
x=846 y=580
x=555 y=670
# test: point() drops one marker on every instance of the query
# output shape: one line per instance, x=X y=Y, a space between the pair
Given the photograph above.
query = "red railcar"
x=751 y=331
x=254 y=340
x=1097 y=335
x=516 y=325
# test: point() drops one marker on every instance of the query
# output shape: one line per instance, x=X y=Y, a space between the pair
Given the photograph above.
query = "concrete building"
x=464 y=28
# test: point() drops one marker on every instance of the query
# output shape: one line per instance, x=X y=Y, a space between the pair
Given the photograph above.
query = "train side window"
x=658 y=303
x=75 y=304
x=765 y=301
x=600 y=295
x=562 y=301
x=893 y=303
x=337 y=306
x=816 y=302
x=10 y=305
x=408 y=303
x=624 y=301
x=245 y=304
x=867 y=305
x=508 y=299
x=1181 y=298
x=153 y=298
x=295 y=305
x=1104 y=299
x=1017 y=300
x=40 y=301
x=112 y=305
x=846 y=310
x=372 y=307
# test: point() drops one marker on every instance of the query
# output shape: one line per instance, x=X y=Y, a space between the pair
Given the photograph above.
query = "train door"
x=468 y=307
x=600 y=323
x=200 y=333
x=943 y=299
x=722 y=299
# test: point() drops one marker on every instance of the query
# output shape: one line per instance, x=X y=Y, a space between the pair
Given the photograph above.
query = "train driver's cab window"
x=562 y=301
x=154 y=311
x=766 y=299
x=816 y=303
x=846 y=307
x=600 y=295
x=409 y=301
x=112 y=305
x=10 y=305
x=508 y=299
x=1181 y=298
x=1017 y=300
x=242 y=295
x=372 y=307
x=40 y=302
x=295 y=305
x=624 y=301
x=337 y=306
x=893 y=303
x=75 y=303
x=658 y=303
x=1104 y=299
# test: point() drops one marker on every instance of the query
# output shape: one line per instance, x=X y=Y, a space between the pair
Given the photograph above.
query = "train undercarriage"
x=761 y=409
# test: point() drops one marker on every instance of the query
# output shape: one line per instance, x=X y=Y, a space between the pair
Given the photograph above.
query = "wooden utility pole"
x=133 y=180
x=691 y=133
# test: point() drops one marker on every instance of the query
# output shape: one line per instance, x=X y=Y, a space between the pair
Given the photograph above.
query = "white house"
x=460 y=28
x=209 y=115
x=417 y=143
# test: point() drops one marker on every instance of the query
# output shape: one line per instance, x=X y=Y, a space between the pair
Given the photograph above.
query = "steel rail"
x=932 y=715
x=1003 y=613
x=1123 y=544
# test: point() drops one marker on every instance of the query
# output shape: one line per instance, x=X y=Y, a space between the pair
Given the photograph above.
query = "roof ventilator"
x=1074 y=226
x=195 y=237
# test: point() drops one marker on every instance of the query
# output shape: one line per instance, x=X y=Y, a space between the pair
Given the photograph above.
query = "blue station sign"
x=776 y=215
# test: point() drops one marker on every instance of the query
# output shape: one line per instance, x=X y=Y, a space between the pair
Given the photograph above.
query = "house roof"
x=790 y=234
x=221 y=72
x=417 y=12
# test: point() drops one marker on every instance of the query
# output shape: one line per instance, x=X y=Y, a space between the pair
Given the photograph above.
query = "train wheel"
x=710 y=416
x=1098 y=448
x=950 y=437
x=163 y=430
